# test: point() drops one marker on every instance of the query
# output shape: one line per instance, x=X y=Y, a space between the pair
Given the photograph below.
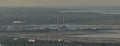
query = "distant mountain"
x=105 y=10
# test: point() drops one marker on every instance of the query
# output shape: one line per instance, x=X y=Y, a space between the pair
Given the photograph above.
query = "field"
x=80 y=36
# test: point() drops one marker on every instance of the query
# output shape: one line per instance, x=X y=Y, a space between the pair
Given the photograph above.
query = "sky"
x=59 y=3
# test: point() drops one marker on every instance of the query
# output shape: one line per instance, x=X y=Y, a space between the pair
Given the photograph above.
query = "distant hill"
x=49 y=16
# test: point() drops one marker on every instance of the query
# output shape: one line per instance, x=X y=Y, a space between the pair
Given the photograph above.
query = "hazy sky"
x=58 y=3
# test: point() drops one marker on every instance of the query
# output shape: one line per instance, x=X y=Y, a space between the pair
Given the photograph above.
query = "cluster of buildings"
x=19 y=26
